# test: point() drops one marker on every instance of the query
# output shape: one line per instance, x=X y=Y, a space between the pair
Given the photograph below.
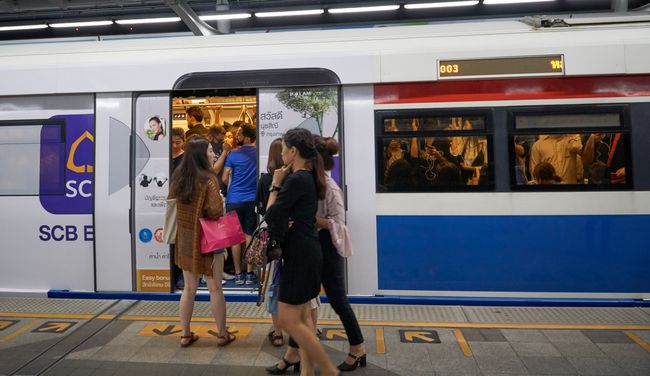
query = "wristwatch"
x=274 y=188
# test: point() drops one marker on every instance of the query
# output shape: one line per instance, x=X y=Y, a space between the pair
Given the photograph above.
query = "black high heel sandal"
x=275 y=370
x=359 y=361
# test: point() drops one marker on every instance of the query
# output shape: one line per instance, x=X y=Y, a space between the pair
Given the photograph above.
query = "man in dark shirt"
x=194 y=117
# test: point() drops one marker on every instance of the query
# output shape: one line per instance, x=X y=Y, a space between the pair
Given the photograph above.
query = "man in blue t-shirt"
x=240 y=175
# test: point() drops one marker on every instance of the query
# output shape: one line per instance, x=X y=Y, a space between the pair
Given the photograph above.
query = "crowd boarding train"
x=486 y=159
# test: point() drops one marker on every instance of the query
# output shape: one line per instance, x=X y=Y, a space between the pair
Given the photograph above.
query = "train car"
x=486 y=159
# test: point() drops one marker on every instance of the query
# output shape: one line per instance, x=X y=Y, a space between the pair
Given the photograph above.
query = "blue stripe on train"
x=568 y=253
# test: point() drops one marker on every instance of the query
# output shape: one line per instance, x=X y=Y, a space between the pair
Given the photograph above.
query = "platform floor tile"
x=54 y=306
x=557 y=315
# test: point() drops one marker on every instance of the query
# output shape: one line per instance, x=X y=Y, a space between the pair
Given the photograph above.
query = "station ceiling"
x=48 y=12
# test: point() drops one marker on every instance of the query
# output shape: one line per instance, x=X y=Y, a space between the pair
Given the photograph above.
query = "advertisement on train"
x=47 y=145
x=312 y=108
x=151 y=188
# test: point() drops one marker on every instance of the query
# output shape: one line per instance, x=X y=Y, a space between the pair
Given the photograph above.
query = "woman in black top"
x=295 y=197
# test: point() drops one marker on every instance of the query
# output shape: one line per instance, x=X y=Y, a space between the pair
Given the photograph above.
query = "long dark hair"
x=303 y=140
x=275 y=156
x=193 y=171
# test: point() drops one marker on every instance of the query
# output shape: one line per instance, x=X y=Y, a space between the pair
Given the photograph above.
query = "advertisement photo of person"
x=154 y=128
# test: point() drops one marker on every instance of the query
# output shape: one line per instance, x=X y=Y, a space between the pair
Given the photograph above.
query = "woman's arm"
x=213 y=204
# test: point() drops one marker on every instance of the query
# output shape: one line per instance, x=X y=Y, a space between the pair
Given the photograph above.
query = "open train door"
x=285 y=98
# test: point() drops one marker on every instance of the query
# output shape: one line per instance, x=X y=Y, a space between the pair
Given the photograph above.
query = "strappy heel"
x=276 y=340
x=359 y=361
x=275 y=370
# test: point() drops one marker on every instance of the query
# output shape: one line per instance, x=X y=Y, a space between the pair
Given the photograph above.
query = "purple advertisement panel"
x=67 y=167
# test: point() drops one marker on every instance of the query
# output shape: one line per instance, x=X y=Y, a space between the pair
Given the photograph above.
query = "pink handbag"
x=222 y=232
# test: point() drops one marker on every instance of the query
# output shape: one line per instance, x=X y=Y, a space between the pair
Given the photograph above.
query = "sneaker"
x=202 y=282
x=223 y=282
x=228 y=277
x=251 y=278
x=239 y=278
x=180 y=284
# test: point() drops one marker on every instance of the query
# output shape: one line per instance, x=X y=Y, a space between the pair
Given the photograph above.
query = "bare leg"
x=187 y=301
x=249 y=268
x=291 y=318
x=217 y=300
x=306 y=315
x=236 y=257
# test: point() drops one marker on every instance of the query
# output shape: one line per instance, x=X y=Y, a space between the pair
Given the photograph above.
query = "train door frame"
x=270 y=79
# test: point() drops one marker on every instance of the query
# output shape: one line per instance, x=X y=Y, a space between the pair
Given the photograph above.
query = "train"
x=493 y=159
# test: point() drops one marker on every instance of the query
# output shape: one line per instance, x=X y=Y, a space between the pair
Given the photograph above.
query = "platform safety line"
x=379 y=339
x=105 y=317
x=464 y=346
x=18 y=331
x=423 y=324
x=43 y=315
x=639 y=341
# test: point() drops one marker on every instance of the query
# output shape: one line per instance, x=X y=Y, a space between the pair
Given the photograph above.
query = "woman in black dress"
x=295 y=197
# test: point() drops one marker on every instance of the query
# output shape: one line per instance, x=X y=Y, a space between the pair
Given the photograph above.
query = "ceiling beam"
x=190 y=18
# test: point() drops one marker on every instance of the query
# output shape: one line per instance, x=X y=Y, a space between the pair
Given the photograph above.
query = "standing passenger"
x=295 y=197
x=196 y=191
x=194 y=117
x=330 y=221
x=240 y=174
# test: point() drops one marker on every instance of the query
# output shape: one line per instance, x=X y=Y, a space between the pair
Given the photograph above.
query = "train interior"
x=223 y=108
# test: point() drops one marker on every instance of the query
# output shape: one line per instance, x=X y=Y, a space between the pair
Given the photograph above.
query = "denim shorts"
x=246 y=214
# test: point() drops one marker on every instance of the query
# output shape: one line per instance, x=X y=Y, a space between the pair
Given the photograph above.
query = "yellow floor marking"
x=43 y=315
x=639 y=341
x=18 y=331
x=462 y=342
x=105 y=317
x=422 y=324
x=206 y=331
x=379 y=338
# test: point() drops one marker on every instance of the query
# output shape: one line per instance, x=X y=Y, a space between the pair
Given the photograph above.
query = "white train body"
x=417 y=243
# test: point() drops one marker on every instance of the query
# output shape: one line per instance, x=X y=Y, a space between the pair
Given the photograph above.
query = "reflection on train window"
x=30 y=153
x=425 y=163
x=585 y=159
x=434 y=123
x=580 y=120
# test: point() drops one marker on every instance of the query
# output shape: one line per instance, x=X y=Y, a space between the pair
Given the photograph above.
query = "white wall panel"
x=360 y=183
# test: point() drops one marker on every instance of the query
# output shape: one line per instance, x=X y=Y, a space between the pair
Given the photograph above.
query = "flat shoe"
x=192 y=338
x=225 y=340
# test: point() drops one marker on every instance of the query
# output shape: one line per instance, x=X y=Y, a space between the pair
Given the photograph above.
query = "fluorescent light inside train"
x=497 y=2
x=231 y=16
x=23 y=27
x=444 y=4
x=381 y=8
x=148 y=20
x=289 y=13
x=82 y=24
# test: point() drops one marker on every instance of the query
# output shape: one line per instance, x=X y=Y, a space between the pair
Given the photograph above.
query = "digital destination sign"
x=549 y=65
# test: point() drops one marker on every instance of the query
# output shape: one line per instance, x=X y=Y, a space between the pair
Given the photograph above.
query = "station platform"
x=41 y=336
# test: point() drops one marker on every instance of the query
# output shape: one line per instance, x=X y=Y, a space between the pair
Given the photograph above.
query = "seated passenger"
x=545 y=174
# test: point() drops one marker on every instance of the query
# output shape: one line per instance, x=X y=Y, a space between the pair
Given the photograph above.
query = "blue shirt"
x=243 y=174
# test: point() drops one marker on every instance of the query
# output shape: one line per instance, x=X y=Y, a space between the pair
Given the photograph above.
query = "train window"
x=27 y=151
x=584 y=156
x=431 y=152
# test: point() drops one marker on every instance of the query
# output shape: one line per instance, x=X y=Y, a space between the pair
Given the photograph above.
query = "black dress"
x=301 y=273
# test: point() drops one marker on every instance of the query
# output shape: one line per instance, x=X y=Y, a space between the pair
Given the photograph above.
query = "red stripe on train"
x=513 y=89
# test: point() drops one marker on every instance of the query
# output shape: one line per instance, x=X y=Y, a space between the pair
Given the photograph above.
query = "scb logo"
x=67 y=165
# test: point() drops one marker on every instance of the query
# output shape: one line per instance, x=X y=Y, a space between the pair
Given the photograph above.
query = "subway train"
x=485 y=160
